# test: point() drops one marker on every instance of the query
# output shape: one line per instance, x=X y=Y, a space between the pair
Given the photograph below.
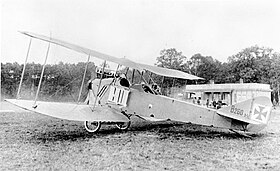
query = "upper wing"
x=122 y=61
x=170 y=72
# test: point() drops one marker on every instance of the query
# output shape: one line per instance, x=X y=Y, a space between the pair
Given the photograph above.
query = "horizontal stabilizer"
x=253 y=111
x=71 y=111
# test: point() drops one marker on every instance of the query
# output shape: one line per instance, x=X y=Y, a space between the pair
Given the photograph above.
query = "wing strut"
x=132 y=77
x=115 y=76
x=162 y=81
x=142 y=77
x=41 y=78
x=81 y=89
x=104 y=64
x=150 y=78
x=24 y=66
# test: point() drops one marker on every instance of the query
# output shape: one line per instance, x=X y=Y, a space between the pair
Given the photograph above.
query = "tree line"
x=62 y=80
x=253 y=64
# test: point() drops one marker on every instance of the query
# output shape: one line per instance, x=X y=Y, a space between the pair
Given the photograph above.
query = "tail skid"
x=243 y=134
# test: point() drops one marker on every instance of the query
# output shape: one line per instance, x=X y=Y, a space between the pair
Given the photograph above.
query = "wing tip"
x=25 y=33
x=22 y=32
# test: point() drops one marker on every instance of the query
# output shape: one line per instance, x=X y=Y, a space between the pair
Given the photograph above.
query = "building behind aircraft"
x=226 y=94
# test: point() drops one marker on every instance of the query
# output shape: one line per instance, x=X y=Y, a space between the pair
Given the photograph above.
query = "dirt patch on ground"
x=32 y=141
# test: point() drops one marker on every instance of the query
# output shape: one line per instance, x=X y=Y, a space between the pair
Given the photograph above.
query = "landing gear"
x=92 y=126
x=123 y=125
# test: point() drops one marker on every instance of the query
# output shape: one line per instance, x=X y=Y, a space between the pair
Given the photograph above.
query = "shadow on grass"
x=74 y=131
x=179 y=130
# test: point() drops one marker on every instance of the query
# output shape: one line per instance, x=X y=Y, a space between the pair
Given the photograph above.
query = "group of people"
x=214 y=104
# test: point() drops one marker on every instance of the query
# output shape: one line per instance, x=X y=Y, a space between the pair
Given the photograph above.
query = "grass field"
x=35 y=142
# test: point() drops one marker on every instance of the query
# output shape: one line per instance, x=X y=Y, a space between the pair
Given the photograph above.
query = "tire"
x=123 y=125
x=96 y=126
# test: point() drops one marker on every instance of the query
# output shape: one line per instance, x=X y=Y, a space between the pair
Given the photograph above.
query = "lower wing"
x=70 y=111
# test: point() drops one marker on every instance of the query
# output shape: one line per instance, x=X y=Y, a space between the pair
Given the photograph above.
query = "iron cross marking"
x=260 y=113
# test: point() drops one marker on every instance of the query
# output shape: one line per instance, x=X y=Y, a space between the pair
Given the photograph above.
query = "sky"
x=138 y=29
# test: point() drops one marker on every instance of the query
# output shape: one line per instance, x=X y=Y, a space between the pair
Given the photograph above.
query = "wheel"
x=123 y=125
x=92 y=126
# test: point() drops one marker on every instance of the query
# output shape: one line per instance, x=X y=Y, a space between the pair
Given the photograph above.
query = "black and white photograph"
x=140 y=85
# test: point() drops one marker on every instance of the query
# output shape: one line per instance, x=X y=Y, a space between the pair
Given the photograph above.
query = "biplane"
x=115 y=100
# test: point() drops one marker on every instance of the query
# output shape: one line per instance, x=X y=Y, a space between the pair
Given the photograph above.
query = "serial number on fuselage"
x=238 y=111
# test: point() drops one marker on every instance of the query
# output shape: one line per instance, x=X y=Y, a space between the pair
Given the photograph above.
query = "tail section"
x=254 y=111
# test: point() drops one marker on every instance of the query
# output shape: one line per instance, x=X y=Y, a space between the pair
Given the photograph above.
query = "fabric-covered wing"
x=70 y=111
x=170 y=72
x=122 y=61
x=93 y=53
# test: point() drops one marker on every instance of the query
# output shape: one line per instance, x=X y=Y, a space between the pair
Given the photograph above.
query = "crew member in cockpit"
x=156 y=88
x=146 y=88
x=123 y=81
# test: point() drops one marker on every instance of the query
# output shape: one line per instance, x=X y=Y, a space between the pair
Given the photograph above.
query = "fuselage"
x=160 y=107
